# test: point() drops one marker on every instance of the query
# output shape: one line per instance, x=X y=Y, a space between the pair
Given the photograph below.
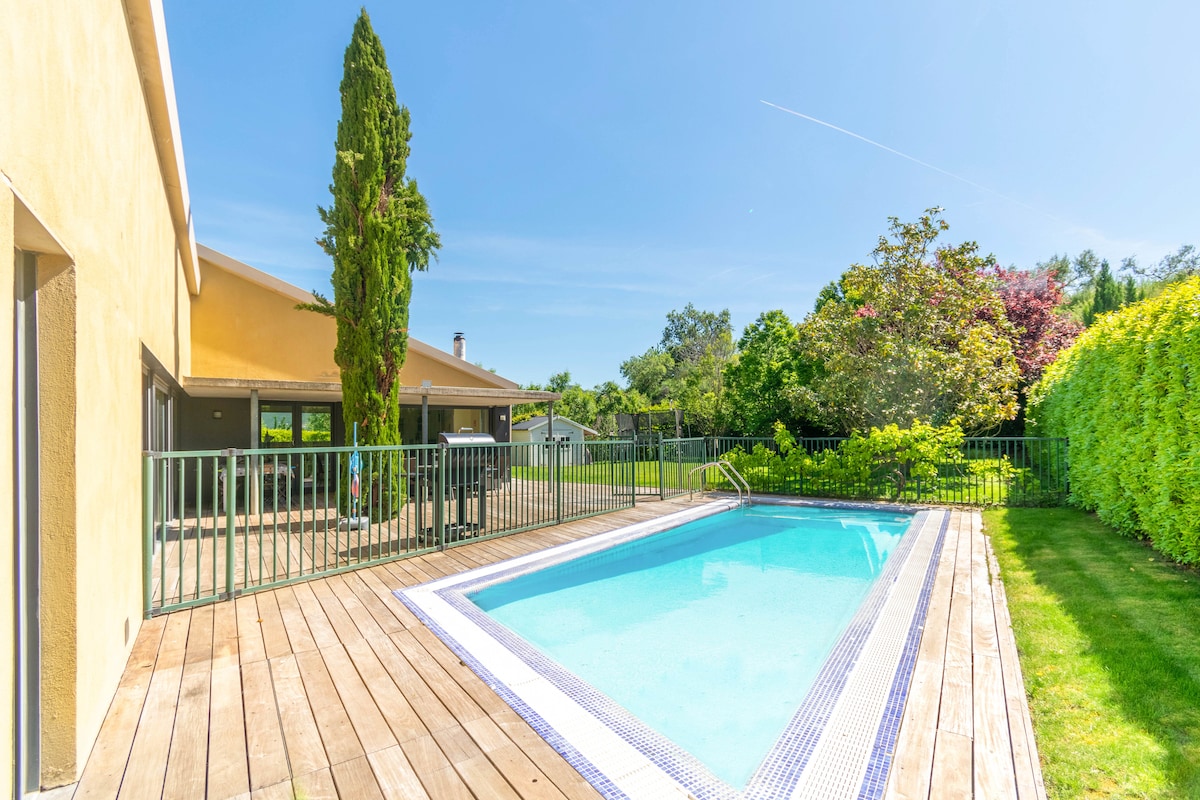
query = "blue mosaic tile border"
x=783 y=765
x=875 y=779
x=576 y=759
x=781 y=769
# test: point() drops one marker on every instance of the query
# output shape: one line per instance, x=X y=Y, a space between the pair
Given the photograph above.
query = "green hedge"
x=1127 y=396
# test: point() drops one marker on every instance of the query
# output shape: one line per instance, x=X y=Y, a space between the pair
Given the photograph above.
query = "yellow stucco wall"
x=245 y=330
x=7 y=487
x=76 y=143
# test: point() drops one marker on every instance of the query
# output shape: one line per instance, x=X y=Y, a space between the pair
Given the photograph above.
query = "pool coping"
x=623 y=758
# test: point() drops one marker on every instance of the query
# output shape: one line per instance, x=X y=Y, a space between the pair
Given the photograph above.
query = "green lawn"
x=603 y=472
x=1109 y=636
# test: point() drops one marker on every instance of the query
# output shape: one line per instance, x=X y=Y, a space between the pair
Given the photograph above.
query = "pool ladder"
x=731 y=474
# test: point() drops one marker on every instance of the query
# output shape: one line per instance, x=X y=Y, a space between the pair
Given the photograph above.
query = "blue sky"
x=591 y=166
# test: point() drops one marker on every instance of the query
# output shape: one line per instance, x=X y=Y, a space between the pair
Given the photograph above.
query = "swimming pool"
x=593 y=644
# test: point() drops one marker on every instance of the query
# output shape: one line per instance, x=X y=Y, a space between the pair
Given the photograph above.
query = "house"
x=566 y=431
x=127 y=336
x=257 y=360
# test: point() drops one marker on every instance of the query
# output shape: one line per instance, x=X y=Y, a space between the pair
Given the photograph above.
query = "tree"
x=921 y=335
x=1106 y=295
x=1178 y=266
x=647 y=374
x=1031 y=303
x=763 y=382
x=378 y=230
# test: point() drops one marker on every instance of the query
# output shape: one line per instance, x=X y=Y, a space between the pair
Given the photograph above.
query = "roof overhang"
x=460 y=396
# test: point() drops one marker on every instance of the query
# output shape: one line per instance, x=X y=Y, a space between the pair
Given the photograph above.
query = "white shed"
x=537 y=429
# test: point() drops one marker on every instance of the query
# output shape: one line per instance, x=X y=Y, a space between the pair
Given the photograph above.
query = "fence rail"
x=1014 y=471
x=221 y=522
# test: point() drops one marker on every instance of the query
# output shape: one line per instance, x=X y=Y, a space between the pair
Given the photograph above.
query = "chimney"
x=460 y=346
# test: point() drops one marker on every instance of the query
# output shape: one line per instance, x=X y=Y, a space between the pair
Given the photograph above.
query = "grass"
x=1107 y=631
x=603 y=472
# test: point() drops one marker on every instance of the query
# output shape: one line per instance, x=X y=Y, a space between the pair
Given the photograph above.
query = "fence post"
x=439 y=495
x=558 y=482
x=632 y=451
x=662 y=470
x=229 y=489
x=148 y=534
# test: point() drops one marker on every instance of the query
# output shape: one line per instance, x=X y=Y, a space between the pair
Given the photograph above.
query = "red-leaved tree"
x=1031 y=303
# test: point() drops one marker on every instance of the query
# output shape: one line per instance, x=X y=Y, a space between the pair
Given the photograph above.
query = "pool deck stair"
x=333 y=689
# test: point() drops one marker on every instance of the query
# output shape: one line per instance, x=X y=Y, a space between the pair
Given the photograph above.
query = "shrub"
x=890 y=461
x=1127 y=395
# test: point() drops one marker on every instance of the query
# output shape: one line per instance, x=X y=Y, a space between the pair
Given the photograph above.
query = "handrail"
x=726 y=468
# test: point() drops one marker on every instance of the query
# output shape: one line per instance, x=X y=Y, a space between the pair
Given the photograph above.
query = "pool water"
x=710 y=633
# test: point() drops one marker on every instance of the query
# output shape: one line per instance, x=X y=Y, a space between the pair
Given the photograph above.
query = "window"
x=275 y=425
x=295 y=425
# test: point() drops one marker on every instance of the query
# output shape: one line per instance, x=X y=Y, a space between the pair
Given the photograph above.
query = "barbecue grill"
x=467 y=468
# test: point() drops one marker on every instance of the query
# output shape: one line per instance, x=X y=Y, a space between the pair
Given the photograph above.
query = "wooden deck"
x=331 y=688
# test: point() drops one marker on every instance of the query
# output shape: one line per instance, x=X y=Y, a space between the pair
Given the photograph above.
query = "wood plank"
x=564 y=776
x=396 y=710
x=372 y=729
x=333 y=723
x=250 y=640
x=152 y=742
x=199 y=650
x=278 y=791
x=317 y=785
x=951 y=778
x=318 y=623
x=380 y=611
x=106 y=766
x=301 y=738
x=355 y=779
x=395 y=775
x=342 y=624
x=383 y=584
x=275 y=637
x=508 y=759
x=488 y=700
x=448 y=691
x=438 y=776
x=362 y=619
x=983 y=615
x=423 y=699
x=225 y=635
x=993 y=755
x=187 y=764
x=265 y=751
x=228 y=761
x=956 y=715
x=299 y=636
x=913 y=761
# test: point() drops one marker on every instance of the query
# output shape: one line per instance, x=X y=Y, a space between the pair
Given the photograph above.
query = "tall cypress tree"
x=378 y=230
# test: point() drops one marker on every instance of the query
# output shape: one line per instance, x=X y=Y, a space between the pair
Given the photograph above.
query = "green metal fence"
x=1014 y=471
x=221 y=522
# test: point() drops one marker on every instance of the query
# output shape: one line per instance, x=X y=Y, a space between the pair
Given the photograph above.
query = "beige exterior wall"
x=7 y=481
x=77 y=146
x=241 y=329
x=245 y=326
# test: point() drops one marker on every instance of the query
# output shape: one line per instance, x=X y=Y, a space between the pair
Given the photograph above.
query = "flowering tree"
x=921 y=335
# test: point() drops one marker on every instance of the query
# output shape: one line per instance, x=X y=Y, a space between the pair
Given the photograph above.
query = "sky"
x=592 y=166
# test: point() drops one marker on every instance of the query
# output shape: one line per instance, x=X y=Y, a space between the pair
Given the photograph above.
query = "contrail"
x=925 y=164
